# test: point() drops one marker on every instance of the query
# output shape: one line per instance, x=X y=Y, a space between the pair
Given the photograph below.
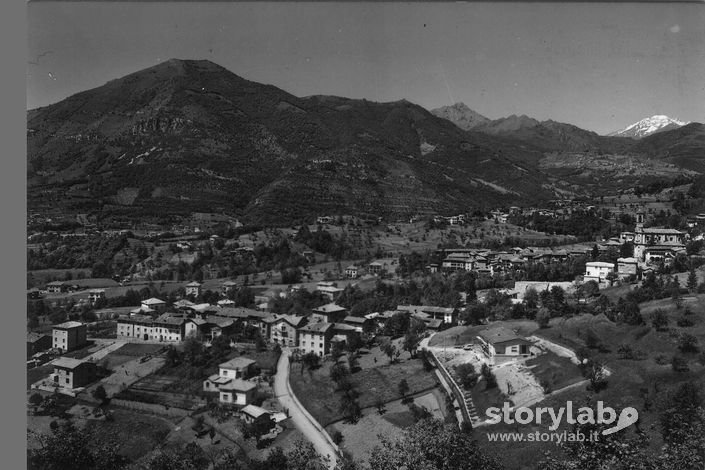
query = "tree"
x=692 y=281
x=543 y=317
x=35 y=399
x=338 y=372
x=488 y=375
x=467 y=375
x=596 y=374
x=659 y=320
x=389 y=350
x=403 y=388
x=70 y=447
x=310 y=360
x=259 y=427
x=431 y=444
x=531 y=298
x=379 y=403
x=100 y=394
x=193 y=350
x=350 y=407
x=688 y=343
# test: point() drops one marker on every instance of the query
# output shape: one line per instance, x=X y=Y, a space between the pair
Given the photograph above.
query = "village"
x=440 y=318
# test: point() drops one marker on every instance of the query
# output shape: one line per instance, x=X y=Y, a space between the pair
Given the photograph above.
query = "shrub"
x=680 y=364
x=684 y=322
x=661 y=359
x=659 y=320
x=688 y=343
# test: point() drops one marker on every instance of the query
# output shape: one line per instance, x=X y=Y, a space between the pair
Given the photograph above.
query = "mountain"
x=189 y=136
x=460 y=115
x=683 y=146
x=651 y=125
x=551 y=136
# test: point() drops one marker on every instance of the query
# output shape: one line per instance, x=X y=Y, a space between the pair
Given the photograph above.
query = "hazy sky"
x=598 y=66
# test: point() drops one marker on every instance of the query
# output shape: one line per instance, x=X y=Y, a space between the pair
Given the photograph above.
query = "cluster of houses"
x=315 y=332
x=490 y=262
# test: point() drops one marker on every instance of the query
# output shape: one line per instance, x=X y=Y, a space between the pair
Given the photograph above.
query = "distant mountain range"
x=649 y=126
x=190 y=136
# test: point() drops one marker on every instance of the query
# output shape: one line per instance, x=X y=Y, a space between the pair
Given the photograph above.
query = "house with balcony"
x=282 y=329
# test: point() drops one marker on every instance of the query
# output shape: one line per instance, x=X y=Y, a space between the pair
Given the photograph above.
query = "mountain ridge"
x=649 y=126
x=190 y=135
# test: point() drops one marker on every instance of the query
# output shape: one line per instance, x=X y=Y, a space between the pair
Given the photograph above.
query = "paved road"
x=301 y=418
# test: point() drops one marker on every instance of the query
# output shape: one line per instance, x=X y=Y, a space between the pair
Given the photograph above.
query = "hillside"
x=187 y=135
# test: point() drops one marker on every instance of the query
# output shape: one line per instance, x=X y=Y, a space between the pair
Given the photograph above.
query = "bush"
x=680 y=364
x=659 y=320
x=685 y=321
x=688 y=343
x=337 y=437
x=661 y=359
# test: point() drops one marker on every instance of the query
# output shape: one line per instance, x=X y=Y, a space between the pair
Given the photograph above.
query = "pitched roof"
x=68 y=362
x=498 y=334
x=68 y=324
x=329 y=308
x=319 y=327
x=153 y=301
x=33 y=337
x=661 y=231
x=237 y=363
x=170 y=319
x=352 y=319
x=194 y=284
x=599 y=264
x=254 y=411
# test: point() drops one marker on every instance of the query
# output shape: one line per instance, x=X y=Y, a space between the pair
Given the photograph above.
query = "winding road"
x=298 y=414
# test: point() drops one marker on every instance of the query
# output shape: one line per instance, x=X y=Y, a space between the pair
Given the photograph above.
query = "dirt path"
x=301 y=418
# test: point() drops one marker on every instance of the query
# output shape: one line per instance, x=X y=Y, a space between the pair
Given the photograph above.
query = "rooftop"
x=599 y=264
x=68 y=362
x=153 y=301
x=320 y=327
x=237 y=363
x=661 y=231
x=254 y=411
x=498 y=334
x=68 y=324
x=329 y=308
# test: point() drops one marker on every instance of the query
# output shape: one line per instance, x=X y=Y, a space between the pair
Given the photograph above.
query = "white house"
x=597 y=271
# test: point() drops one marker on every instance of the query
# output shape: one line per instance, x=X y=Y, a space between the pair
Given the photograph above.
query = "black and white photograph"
x=364 y=235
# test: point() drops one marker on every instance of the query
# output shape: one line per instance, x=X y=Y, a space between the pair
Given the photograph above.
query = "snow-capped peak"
x=650 y=125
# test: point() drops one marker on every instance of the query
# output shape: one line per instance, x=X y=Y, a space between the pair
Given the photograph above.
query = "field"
x=631 y=381
x=137 y=433
x=316 y=390
x=361 y=438
x=554 y=370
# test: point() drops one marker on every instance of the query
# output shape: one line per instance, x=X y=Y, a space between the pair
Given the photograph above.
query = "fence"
x=459 y=396
x=150 y=408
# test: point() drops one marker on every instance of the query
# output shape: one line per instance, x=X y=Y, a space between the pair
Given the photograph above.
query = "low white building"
x=597 y=271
